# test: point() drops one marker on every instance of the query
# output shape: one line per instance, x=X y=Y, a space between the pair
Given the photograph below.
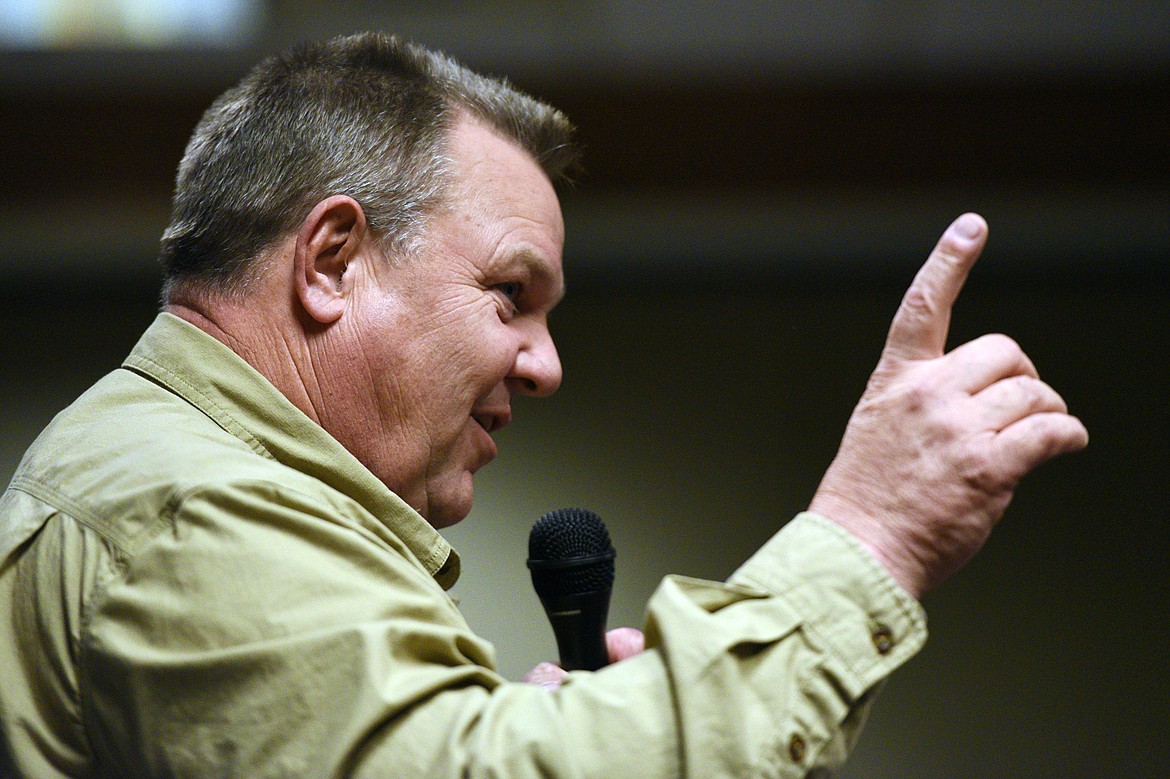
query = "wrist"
x=873 y=535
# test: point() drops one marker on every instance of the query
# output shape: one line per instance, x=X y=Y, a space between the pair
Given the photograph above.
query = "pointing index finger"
x=919 y=330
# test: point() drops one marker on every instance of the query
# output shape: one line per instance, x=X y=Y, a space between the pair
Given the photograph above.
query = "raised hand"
x=939 y=441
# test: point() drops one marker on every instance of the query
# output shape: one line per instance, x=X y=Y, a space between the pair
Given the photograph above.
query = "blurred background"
x=763 y=179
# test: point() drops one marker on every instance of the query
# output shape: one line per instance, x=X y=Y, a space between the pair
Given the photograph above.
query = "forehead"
x=495 y=171
x=499 y=192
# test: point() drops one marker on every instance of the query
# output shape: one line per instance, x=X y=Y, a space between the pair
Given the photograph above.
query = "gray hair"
x=366 y=116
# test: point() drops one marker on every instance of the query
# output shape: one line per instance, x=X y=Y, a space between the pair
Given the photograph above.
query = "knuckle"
x=1059 y=436
x=1036 y=396
x=1004 y=344
x=1048 y=399
x=921 y=392
x=919 y=301
x=1029 y=391
x=949 y=259
x=985 y=470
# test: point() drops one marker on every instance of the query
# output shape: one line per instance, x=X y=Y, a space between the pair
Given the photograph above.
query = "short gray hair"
x=366 y=116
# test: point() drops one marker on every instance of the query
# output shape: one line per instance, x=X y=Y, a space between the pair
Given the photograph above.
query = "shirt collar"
x=221 y=384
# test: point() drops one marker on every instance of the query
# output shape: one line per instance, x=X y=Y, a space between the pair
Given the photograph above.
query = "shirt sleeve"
x=773 y=671
x=259 y=633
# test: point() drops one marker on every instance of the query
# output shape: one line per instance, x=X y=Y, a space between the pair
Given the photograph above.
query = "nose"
x=537 y=369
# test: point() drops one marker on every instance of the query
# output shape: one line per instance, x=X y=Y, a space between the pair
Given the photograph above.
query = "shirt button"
x=883 y=639
x=797 y=748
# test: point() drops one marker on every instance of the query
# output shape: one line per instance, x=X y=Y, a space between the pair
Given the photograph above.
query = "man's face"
x=438 y=343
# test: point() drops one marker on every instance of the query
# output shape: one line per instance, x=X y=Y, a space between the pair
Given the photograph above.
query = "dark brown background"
x=744 y=231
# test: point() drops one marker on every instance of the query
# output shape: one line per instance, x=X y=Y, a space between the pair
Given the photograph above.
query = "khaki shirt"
x=197 y=580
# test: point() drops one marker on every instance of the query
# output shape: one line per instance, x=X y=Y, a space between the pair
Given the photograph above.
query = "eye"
x=510 y=289
x=508 y=293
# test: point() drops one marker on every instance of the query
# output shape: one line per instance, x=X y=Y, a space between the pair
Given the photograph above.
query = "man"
x=222 y=559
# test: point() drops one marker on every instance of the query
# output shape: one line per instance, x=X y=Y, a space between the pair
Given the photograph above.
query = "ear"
x=328 y=239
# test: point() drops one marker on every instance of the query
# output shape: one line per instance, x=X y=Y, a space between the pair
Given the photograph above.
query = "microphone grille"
x=569 y=552
x=568 y=533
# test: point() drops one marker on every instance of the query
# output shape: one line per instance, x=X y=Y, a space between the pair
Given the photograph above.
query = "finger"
x=623 y=643
x=978 y=364
x=919 y=329
x=1035 y=439
x=546 y=675
x=1010 y=400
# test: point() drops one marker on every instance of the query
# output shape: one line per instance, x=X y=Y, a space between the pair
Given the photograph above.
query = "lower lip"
x=489 y=443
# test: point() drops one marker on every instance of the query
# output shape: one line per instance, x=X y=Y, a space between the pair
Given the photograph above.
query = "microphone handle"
x=578 y=622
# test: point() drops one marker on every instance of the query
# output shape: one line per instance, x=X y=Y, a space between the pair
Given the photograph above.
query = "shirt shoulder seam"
x=156 y=371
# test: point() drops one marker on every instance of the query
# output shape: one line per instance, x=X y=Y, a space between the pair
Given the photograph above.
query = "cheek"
x=480 y=357
x=452 y=363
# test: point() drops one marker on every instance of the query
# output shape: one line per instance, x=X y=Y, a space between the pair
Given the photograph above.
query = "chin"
x=450 y=509
x=442 y=519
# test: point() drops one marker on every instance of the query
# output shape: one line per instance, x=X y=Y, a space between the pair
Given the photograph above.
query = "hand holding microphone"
x=572 y=564
x=571 y=558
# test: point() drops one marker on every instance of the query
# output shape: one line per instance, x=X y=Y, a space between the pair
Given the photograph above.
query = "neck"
x=266 y=335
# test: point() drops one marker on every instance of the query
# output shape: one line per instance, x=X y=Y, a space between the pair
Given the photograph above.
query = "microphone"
x=571 y=559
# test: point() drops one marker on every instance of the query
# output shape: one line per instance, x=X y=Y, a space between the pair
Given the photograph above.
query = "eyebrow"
x=537 y=268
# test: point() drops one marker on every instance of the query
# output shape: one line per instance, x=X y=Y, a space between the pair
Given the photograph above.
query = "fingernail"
x=968 y=226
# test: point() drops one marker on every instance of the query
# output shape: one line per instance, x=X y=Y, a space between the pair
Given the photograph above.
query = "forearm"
x=770 y=673
x=379 y=676
x=790 y=649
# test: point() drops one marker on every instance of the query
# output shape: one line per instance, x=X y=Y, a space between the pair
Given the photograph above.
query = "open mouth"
x=493 y=419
